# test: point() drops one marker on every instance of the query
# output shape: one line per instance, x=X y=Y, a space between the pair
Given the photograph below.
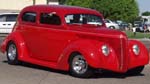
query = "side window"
x=107 y=21
x=11 y=18
x=29 y=17
x=2 y=18
x=50 y=18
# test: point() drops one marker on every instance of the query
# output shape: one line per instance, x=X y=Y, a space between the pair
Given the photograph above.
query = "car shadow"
x=109 y=74
x=33 y=66
x=105 y=74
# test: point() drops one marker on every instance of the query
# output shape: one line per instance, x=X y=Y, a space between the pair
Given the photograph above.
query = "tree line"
x=146 y=13
x=126 y=10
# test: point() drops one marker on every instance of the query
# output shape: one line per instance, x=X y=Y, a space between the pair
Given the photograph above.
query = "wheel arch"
x=112 y=27
x=17 y=39
x=73 y=54
x=8 y=43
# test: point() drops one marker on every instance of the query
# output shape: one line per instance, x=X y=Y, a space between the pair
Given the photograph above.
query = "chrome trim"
x=121 y=58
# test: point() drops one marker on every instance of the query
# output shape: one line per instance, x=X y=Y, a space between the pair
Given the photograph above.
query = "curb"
x=143 y=39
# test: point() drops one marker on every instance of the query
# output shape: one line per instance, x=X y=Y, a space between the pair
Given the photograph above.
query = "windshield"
x=83 y=19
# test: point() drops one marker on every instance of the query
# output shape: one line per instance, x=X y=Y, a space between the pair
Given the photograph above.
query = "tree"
x=126 y=10
x=147 y=13
x=61 y=1
x=34 y=1
x=81 y=3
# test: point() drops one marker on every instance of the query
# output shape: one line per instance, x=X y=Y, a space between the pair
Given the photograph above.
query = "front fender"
x=137 y=60
x=91 y=50
x=84 y=47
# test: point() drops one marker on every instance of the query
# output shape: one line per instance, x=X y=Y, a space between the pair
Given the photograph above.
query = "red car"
x=73 y=39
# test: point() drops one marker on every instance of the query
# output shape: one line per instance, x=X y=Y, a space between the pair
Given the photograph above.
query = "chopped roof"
x=62 y=8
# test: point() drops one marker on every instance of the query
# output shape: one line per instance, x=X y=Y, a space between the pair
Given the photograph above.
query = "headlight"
x=105 y=50
x=136 y=49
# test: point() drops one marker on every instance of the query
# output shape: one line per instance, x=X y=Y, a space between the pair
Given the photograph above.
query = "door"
x=52 y=37
x=46 y=40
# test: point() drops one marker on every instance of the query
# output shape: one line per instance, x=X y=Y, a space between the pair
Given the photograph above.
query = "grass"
x=138 y=35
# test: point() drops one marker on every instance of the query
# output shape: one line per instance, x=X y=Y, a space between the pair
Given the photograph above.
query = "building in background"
x=55 y=2
x=17 y=5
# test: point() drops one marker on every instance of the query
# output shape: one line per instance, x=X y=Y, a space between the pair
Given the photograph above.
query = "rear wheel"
x=112 y=27
x=135 y=71
x=12 y=54
x=79 y=67
x=138 y=30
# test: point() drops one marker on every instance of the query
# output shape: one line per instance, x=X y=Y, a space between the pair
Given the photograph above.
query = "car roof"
x=61 y=8
x=8 y=13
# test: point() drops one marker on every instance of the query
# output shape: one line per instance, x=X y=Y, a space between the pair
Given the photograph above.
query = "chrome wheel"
x=79 y=64
x=79 y=67
x=12 y=52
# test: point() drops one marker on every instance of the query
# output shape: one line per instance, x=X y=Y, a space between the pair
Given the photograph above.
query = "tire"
x=135 y=71
x=79 y=67
x=138 y=30
x=147 y=31
x=12 y=54
x=112 y=27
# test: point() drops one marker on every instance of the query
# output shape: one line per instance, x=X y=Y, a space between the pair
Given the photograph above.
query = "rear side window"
x=2 y=18
x=107 y=21
x=50 y=18
x=29 y=17
x=8 y=18
x=11 y=18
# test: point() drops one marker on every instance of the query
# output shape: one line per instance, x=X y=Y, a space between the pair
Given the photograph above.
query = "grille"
x=120 y=47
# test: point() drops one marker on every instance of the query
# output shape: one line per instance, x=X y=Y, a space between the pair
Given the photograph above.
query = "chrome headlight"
x=136 y=49
x=105 y=50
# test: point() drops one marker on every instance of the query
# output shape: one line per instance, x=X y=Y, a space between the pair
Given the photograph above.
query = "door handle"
x=4 y=24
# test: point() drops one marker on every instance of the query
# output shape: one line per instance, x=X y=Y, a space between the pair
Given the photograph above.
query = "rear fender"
x=18 y=40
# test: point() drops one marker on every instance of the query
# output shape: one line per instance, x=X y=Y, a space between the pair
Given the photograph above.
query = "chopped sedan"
x=73 y=39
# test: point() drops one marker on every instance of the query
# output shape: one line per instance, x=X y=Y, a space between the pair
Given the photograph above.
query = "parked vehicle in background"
x=141 y=26
x=146 y=20
x=73 y=39
x=122 y=25
x=110 y=24
x=137 y=23
x=7 y=21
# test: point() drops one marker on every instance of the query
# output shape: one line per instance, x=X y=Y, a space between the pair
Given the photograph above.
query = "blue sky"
x=144 y=5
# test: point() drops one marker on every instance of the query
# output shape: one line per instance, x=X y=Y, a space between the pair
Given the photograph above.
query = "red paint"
x=51 y=46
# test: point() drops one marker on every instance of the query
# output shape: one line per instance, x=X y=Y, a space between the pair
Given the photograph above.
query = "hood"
x=100 y=31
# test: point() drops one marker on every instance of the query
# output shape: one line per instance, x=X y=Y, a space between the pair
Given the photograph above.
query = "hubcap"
x=12 y=52
x=112 y=28
x=79 y=64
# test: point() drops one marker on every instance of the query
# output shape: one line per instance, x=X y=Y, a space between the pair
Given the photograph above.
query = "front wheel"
x=12 y=54
x=135 y=71
x=79 y=67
